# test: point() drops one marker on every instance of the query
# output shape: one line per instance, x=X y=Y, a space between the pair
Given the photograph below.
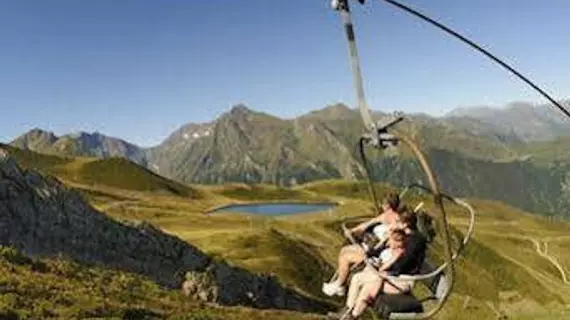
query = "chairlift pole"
x=376 y=133
x=378 y=137
x=343 y=7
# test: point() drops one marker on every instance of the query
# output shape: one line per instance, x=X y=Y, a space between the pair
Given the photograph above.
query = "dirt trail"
x=543 y=253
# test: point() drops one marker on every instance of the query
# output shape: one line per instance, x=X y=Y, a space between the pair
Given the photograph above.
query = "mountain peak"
x=243 y=112
x=36 y=135
x=338 y=107
x=240 y=109
x=332 y=111
x=37 y=130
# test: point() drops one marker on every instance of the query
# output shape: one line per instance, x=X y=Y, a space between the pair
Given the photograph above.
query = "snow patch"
x=200 y=133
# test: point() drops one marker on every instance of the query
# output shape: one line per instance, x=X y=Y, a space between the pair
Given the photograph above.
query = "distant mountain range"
x=527 y=122
x=80 y=144
x=501 y=154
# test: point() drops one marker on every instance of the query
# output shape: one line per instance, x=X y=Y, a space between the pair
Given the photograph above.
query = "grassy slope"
x=250 y=193
x=547 y=152
x=113 y=172
x=501 y=272
x=57 y=288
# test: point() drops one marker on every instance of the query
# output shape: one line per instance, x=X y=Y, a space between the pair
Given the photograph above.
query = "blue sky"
x=139 y=69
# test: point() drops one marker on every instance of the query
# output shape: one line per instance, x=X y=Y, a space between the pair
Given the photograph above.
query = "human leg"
x=351 y=255
x=368 y=282
x=371 y=289
x=364 y=297
x=354 y=290
x=348 y=256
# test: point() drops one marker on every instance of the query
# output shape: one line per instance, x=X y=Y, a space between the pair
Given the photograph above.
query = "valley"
x=503 y=272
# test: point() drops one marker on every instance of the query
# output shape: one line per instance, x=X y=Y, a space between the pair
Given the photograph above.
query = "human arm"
x=380 y=244
x=364 y=225
x=388 y=263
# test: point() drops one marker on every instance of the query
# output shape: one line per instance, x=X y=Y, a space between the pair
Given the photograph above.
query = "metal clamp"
x=379 y=137
x=342 y=4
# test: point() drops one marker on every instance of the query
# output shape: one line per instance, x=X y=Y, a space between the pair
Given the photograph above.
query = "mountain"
x=248 y=146
x=79 y=144
x=471 y=154
x=526 y=121
x=253 y=147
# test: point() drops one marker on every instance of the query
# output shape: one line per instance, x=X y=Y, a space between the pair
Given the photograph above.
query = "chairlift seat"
x=389 y=304
x=406 y=305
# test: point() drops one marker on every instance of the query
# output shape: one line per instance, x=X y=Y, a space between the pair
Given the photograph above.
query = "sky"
x=140 y=69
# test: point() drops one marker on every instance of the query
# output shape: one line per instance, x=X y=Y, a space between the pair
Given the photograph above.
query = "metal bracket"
x=342 y=4
x=339 y=5
x=379 y=137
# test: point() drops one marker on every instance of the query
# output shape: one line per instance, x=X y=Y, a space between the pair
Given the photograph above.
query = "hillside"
x=546 y=153
x=501 y=274
x=111 y=172
x=65 y=289
x=538 y=189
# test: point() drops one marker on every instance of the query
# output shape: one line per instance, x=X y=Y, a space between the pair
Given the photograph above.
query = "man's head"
x=392 y=202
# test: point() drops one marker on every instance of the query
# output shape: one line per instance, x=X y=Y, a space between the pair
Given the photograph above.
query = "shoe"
x=331 y=289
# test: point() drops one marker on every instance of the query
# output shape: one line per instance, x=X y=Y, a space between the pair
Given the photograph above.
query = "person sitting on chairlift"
x=367 y=284
x=355 y=254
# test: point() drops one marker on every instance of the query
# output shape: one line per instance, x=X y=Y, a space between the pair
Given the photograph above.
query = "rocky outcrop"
x=41 y=217
x=223 y=283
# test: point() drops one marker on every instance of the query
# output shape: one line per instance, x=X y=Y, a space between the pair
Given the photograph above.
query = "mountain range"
x=80 y=144
x=542 y=122
x=513 y=154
